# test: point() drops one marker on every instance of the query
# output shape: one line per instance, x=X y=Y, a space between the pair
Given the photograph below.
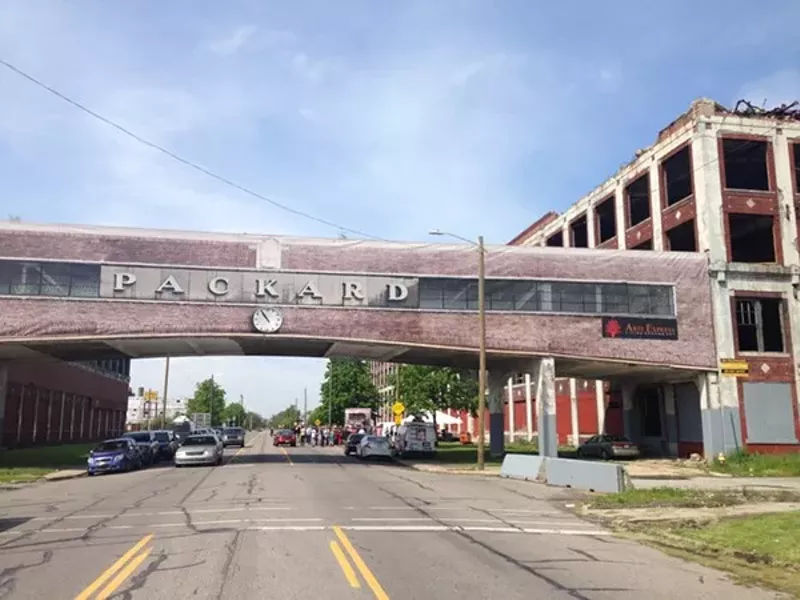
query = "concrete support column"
x=600 y=399
x=545 y=369
x=528 y=407
x=573 y=411
x=61 y=416
x=3 y=396
x=20 y=410
x=36 y=398
x=72 y=418
x=671 y=418
x=49 y=415
x=511 y=425
x=628 y=390
x=470 y=424
x=496 y=405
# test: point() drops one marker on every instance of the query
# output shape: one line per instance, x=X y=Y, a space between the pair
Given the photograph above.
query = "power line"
x=179 y=158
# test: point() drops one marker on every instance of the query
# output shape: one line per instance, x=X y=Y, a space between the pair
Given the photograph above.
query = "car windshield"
x=138 y=437
x=374 y=439
x=162 y=436
x=111 y=446
x=233 y=431
x=617 y=438
x=200 y=440
x=355 y=438
x=285 y=432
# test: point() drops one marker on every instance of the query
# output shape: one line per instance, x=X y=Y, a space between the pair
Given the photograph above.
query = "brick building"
x=725 y=183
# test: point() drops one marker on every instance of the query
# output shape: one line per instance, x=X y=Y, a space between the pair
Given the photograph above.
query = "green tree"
x=347 y=384
x=255 y=420
x=235 y=414
x=286 y=418
x=209 y=397
x=428 y=389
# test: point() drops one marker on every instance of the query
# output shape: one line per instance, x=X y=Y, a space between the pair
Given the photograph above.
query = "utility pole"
x=164 y=400
x=305 y=405
x=241 y=401
x=482 y=351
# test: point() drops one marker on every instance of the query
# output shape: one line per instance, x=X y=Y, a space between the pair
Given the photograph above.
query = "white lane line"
x=289 y=528
x=567 y=531
x=457 y=520
x=388 y=528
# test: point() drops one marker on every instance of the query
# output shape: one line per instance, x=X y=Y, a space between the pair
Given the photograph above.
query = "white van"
x=416 y=438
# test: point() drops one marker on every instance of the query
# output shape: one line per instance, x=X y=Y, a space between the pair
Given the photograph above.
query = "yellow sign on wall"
x=734 y=367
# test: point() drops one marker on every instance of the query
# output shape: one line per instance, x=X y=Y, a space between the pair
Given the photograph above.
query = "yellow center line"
x=108 y=573
x=241 y=450
x=123 y=575
x=286 y=454
x=362 y=567
x=349 y=574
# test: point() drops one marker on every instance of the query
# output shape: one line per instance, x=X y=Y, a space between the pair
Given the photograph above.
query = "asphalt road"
x=310 y=523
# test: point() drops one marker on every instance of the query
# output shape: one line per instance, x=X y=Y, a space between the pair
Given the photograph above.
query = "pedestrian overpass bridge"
x=82 y=292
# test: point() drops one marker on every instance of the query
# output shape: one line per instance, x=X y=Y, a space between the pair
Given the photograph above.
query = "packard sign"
x=254 y=287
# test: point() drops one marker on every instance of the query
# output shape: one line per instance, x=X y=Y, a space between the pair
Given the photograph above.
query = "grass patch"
x=666 y=497
x=46 y=457
x=744 y=464
x=23 y=475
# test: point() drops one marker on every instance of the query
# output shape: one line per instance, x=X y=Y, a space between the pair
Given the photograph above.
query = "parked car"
x=167 y=443
x=373 y=446
x=117 y=455
x=233 y=436
x=199 y=450
x=283 y=437
x=352 y=442
x=608 y=447
x=148 y=446
x=415 y=438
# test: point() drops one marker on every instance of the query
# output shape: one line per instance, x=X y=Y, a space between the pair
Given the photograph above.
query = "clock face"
x=267 y=320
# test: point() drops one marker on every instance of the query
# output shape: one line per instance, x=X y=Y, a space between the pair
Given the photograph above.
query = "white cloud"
x=233 y=42
x=775 y=89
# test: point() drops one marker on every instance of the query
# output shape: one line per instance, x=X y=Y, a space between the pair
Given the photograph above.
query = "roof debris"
x=787 y=111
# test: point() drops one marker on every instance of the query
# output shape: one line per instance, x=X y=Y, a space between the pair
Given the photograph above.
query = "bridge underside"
x=256 y=345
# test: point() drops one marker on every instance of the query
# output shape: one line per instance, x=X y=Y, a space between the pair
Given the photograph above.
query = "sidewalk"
x=64 y=474
x=720 y=483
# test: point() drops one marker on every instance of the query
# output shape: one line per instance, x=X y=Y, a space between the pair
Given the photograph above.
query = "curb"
x=63 y=477
x=434 y=469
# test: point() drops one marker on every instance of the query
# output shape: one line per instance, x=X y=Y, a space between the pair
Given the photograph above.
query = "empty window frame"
x=681 y=238
x=49 y=279
x=677 y=176
x=606 y=215
x=638 y=197
x=745 y=164
x=751 y=238
x=557 y=240
x=759 y=324
x=637 y=299
x=579 y=233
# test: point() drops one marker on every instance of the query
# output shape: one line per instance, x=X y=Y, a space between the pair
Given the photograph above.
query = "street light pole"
x=164 y=401
x=482 y=342
x=481 y=354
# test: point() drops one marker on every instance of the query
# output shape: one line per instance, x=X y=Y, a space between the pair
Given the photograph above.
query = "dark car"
x=283 y=437
x=352 y=442
x=608 y=447
x=148 y=446
x=113 y=456
x=233 y=436
x=167 y=443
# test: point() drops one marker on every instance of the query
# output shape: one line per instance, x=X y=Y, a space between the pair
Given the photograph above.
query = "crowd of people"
x=319 y=436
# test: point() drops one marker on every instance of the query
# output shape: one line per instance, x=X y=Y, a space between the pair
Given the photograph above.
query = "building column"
x=3 y=397
x=528 y=407
x=496 y=413
x=61 y=416
x=49 y=414
x=36 y=399
x=20 y=410
x=573 y=411
x=512 y=427
x=545 y=370
x=600 y=399
x=628 y=391
x=671 y=418
x=72 y=417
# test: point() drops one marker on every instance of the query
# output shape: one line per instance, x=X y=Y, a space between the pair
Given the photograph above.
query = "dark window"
x=638 y=194
x=26 y=279
x=677 y=173
x=499 y=295
x=5 y=277
x=526 y=296
x=759 y=324
x=751 y=238
x=796 y=156
x=85 y=281
x=557 y=239
x=630 y=299
x=645 y=245
x=681 y=238
x=606 y=214
x=200 y=440
x=745 y=164
x=574 y=297
x=55 y=279
x=431 y=296
x=579 y=232
x=455 y=294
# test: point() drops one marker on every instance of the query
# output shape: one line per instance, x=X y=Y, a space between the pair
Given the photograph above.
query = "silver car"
x=199 y=450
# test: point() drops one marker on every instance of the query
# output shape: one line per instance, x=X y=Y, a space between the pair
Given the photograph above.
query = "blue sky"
x=390 y=117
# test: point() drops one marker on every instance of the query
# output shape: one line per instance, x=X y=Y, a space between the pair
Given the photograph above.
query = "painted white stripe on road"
x=289 y=528
x=387 y=528
x=567 y=531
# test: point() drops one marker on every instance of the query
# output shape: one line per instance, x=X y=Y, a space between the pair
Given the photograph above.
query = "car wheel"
x=90 y=474
x=294 y=445
x=605 y=454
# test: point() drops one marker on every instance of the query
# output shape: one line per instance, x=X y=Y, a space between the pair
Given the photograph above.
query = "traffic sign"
x=398 y=419
x=734 y=367
x=398 y=408
x=317 y=422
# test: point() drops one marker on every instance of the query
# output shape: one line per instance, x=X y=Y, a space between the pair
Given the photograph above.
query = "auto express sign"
x=640 y=328
x=258 y=287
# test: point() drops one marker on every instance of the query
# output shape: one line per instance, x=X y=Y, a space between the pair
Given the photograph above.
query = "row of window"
x=121 y=367
x=59 y=279
x=49 y=279
x=549 y=296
